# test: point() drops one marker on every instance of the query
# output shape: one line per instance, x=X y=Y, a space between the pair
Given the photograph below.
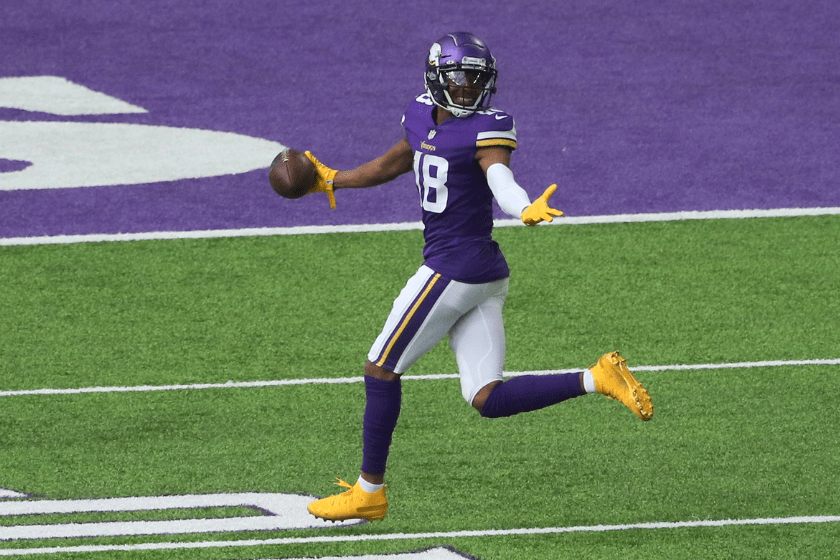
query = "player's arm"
x=513 y=200
x=393 y=163
x=397 y=160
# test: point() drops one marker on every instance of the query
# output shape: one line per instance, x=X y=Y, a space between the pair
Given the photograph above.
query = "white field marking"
x=59 y=96
x=93 y=154
x=424 y=536
x=5 y=493
x=408 y=377
x=437 y=553
x=410 y=226
x=281 y=512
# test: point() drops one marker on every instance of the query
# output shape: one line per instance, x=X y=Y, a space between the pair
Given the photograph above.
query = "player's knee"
x=374 y=370
x=481 y=397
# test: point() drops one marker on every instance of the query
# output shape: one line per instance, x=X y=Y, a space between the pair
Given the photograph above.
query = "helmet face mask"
x=460 y=74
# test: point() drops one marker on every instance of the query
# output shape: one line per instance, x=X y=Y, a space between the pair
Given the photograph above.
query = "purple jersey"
x=456 y=199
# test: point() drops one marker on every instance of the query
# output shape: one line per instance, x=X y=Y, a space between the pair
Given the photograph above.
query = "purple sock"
x=531 y=392
x=382 y=409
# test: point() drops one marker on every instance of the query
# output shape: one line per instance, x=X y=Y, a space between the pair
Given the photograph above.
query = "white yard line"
x=359 y=379
x=444 y=535
x=422 y=536
x=302 y=230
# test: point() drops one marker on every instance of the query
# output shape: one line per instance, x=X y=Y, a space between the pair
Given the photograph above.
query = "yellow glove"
x=324 y=179
x=540 y=210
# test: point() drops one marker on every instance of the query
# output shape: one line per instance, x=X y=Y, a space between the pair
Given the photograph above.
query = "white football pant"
x=428 y=308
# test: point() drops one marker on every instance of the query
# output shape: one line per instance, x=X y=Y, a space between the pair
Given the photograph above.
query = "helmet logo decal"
x=434 y=54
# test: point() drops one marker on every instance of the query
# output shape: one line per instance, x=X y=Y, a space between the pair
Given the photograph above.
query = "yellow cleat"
x=613 y=379
x=355 y=503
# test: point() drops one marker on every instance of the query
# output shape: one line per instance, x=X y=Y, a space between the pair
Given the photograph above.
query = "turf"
x=727 y=443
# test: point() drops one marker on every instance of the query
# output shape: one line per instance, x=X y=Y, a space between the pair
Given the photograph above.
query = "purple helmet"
x=460 y=59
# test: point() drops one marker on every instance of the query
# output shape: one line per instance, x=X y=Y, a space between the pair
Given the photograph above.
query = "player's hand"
x=540 y=211
x=324 y=179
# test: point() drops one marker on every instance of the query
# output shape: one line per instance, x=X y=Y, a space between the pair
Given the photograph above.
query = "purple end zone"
x=647 y=106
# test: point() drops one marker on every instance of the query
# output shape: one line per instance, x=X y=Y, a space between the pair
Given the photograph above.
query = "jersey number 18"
x=430 y=173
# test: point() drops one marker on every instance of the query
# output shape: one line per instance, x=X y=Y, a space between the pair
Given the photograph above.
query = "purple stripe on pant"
x=411 y=322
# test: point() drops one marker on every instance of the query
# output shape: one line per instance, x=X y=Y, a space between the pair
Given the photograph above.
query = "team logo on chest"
x=426 y=145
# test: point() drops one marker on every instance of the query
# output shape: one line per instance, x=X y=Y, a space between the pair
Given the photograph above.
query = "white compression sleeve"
x=511 y=197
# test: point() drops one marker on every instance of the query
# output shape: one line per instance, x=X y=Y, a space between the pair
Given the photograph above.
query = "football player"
x=459 y=148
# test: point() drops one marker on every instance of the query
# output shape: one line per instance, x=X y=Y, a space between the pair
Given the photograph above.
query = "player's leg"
x=478 y=340
x=419 y=319
x=609 y=376
x=367 y=499
x=526 y=393
x=422 y=315
x=383 y=401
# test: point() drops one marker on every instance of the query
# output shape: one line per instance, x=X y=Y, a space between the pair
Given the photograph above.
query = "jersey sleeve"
x=497 y=129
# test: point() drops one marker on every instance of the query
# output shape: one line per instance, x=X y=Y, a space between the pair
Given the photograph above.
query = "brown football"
x=292 y=175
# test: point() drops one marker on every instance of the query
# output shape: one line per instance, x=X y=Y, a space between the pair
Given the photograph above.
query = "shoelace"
x=342 y=483
x=345 y=497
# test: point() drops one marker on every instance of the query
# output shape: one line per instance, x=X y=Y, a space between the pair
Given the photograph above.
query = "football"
x=292 y=175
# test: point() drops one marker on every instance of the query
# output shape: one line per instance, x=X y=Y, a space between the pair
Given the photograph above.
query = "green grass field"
x=735 y=443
